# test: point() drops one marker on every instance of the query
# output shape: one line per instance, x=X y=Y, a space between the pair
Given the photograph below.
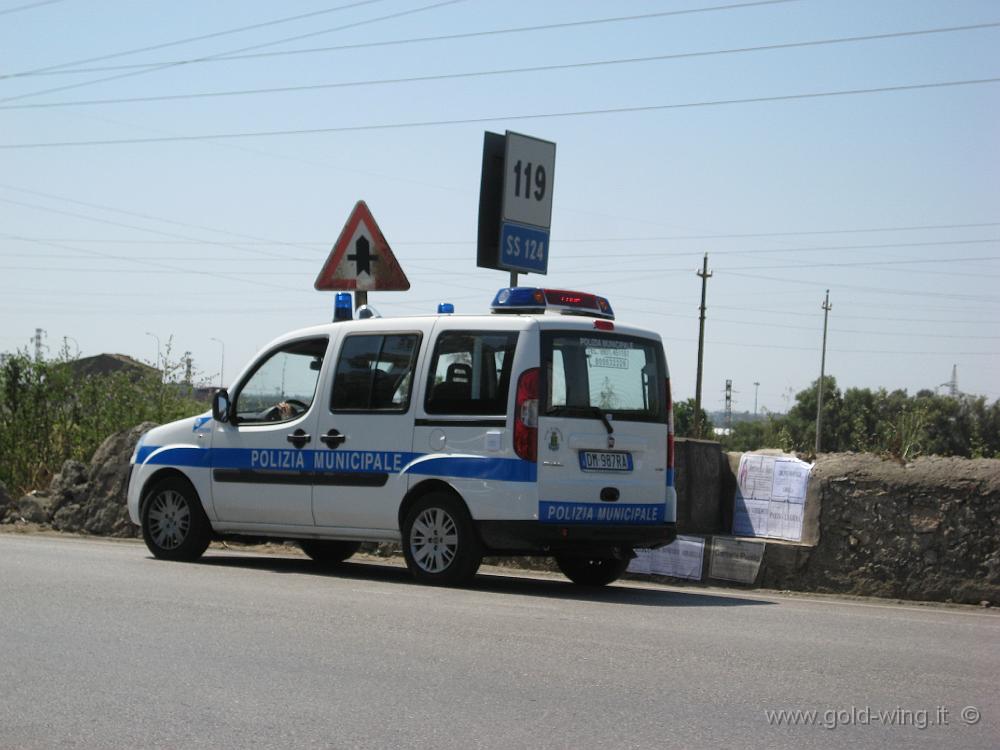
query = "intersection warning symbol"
x=361 y=259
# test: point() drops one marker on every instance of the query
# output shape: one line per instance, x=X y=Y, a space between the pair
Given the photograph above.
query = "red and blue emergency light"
x=524 y=299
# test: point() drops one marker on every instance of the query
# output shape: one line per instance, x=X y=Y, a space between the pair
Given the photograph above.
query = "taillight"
x=526 y=416
x=670 y=436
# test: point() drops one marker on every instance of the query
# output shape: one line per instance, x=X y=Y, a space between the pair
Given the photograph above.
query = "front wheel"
x=174 y=525
x=329 y=551
x=439 y=542
x=591 y=571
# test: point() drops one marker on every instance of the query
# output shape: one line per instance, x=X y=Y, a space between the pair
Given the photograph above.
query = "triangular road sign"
x=361 y=259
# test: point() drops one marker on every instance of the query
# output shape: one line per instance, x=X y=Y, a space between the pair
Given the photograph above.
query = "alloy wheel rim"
x=169 y=519
x=434 y=540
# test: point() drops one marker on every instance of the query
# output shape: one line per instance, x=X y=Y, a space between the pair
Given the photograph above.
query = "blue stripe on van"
x=472 y=467
x=295 y=460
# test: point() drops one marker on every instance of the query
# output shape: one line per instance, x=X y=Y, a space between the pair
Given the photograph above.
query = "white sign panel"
x=770 y=496
x=680 y=559
x=529 y=174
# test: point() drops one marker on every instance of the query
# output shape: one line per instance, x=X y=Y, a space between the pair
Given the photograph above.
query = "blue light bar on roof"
x=524 y=299
x=343 y=308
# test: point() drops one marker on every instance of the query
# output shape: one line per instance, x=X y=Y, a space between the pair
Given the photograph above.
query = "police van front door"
x=365 y=430
x=262 y=465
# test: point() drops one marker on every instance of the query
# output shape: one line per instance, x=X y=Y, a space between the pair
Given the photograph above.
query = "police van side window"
x=375 y=373
x=470 y=373
x=283 y=385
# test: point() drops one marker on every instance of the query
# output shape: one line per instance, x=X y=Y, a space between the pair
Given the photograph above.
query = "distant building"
x=106 y=364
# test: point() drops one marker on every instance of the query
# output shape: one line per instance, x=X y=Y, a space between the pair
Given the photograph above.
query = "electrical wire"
x=133 y=73
x=495 y=118
x=493 y=72
x=61 y=67
x=230 y=56
x=28 y=6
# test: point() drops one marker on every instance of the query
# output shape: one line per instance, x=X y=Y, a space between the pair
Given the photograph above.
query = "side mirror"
x=221 y=406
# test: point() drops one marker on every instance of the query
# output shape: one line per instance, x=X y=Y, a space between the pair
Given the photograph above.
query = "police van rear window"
x=620 y=375
x=470 y=373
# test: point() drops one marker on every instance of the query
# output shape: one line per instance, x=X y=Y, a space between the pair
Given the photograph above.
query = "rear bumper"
x=533 y=538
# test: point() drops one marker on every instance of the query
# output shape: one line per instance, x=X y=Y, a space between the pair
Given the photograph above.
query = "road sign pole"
x=513 y=279
x=360 y=298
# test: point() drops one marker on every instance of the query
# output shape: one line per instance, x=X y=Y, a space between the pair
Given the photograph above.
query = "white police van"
x=544 y=428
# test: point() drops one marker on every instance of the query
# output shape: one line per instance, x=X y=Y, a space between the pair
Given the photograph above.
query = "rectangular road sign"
x=529 y=172
x=515 y=203
x=524 y=249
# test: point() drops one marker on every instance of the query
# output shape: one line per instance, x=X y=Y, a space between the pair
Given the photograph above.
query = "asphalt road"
x=102 y=646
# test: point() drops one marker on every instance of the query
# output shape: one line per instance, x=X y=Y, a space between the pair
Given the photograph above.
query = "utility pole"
x=222 y=362
x=38 y=344
x=705 y=275
x=822 y=371
x=756 y=387
x=729 y=406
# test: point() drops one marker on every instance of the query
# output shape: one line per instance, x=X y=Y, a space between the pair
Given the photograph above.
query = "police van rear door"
x=602 y=427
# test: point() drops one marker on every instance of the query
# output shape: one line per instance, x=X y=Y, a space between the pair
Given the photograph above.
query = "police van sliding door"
x=262 y=466
x=366 y=431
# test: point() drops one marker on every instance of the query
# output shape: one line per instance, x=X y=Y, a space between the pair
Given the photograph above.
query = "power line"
x=322 y=247
x=232 y=56
x=28 y=6
x=151 y=217
x=877 y=290
x=497 y=71
x=575 y=240
x=494 y=118
x=60 y=67
x=101 y=221
x=766 y=251
x=155 y=264
x=343 y=27
x=788 y=326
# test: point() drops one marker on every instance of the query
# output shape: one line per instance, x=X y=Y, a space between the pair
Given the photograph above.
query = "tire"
x=174 y=525
x=440 y=544
x=591 y=571
x=329 y=551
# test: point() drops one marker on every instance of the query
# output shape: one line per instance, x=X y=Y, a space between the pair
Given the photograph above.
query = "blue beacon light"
x=343 y=308
x=446 y=308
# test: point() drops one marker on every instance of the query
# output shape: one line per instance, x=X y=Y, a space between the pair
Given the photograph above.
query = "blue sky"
x=891 y=200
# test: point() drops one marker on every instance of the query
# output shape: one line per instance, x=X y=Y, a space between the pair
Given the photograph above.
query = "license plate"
x=605 y=461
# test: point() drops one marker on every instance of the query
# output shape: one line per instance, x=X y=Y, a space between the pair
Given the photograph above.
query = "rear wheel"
x=591 y=571
x=174 y=525
x=329 y=551
x=439 y=542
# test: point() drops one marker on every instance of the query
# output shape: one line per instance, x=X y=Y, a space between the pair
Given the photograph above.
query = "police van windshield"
x=620 y=375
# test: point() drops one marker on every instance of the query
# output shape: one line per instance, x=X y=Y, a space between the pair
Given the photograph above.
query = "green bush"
x=50 y=413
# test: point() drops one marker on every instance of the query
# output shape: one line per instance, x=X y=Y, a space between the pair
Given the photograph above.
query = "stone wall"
x=925 y=530
x=700 y=479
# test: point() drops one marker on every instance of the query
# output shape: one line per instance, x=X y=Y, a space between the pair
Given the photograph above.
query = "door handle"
x=333 y=439
x=299 y=438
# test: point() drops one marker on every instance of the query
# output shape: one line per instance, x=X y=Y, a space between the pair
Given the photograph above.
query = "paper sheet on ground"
x=680 y=559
